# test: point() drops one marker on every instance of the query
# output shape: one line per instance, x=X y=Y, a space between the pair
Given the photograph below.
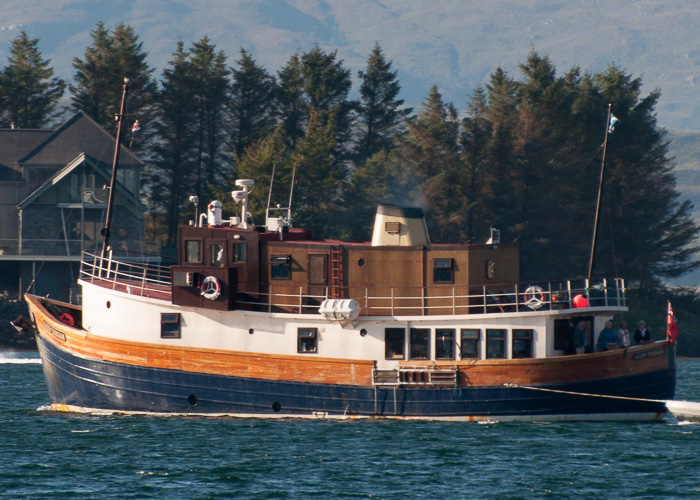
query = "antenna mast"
x=600 y=194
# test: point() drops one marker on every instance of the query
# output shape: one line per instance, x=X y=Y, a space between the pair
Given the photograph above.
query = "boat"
x=266 y=321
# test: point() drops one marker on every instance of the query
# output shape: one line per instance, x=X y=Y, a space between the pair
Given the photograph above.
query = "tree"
x=174 y=161
x=380 y=113
x=112 y=57
x=29 y=93
x=252 y=103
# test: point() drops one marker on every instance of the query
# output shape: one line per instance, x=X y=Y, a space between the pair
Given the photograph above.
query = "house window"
x=170 y=325
x=193 y=251
x=444 y=343
x=394 y=341
x=470 y=344
x=281 y=267
x=495 y=344
x=217 y=255
x=419 y=343
x=307 y=340
x=443 y=271
x=522 y=343
x=239 y=251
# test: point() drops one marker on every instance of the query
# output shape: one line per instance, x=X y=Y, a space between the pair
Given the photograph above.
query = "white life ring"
x=211 y=288
x=534 y=297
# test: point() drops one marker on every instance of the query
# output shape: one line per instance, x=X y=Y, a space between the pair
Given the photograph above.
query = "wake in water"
x=18 y=358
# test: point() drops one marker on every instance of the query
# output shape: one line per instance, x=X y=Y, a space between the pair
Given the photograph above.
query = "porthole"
x=276 y=407
x=251 y=331
x=363 y=332
x=192 y=400
x=109 y=304
x=361 y=262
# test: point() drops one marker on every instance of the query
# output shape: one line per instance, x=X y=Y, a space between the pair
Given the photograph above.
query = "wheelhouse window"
x=217 y=254
x=239 y=251
x=193 y=251
x=419 y=343
x=307 y=340
x=281 y=267
x=394 y=341
x=470 y=344
x=495 y=344
x=170 y=325
x=522 y=343
x=443 y=271
x=444 y=343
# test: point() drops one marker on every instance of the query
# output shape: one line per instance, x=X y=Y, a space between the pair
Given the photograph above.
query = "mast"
x=105 y=232
x=600 y=194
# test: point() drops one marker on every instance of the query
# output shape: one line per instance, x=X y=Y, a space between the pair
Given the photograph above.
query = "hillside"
x=455 y=44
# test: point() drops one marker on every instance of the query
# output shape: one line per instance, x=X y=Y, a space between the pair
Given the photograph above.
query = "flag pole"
x=600 y=194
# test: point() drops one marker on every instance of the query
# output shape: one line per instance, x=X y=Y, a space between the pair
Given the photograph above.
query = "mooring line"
x=517 y=386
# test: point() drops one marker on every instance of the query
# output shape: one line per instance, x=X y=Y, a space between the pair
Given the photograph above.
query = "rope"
x=517 y=386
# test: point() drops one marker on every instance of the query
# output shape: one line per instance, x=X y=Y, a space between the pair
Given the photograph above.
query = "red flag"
x=671 y=325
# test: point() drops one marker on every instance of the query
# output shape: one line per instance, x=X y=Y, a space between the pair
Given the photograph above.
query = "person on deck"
x=580 y=337
x=642 y=335
x=606 y=336
x=623 y=335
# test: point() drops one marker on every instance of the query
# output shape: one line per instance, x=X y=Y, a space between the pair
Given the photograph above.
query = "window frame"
x=186 y=258
x=395 y=331
x=491 y=338
x=281 y=262
x=218 y=246
x=165 y=321
x=442 y=266
x=516 y=335
x=424 y=342
x=312 y=335
x=235 y=254
x=476 y=340
x=439 y=347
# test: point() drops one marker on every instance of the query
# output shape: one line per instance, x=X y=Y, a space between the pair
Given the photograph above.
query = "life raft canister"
x=534 y=297
x=67 y=319
x=210 y=288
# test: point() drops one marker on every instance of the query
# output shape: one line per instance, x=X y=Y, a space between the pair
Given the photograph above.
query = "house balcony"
x=70 y=249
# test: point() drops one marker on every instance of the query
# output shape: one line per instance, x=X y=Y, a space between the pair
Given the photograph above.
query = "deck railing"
x=143 y=277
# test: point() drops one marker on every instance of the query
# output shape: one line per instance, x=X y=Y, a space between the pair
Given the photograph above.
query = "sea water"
x=46 y=454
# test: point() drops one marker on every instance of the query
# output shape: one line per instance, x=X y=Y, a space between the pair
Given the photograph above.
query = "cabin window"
x=420 y=343
x=522 y=343
x=444 y=343
x=443 y=271
x=394 y=341
x=280 y=267
x=470 y=344
x=217 y=255
x=239 y=251
x=193 y=251
x=307 y=340
x=170 y=325
x=495 y=344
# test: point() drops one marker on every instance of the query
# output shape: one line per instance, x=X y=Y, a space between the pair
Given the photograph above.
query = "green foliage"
x=99 y=77
x=29 y=93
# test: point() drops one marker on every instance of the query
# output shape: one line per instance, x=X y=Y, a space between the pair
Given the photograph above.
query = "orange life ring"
x=67 y=319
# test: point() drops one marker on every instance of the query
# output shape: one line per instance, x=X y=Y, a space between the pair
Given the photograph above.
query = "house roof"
x=79 y=134
x=14 y=145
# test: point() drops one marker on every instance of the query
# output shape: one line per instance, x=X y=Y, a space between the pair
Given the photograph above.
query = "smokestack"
x=400 y=226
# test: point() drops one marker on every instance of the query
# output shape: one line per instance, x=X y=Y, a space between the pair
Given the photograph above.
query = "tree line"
x=523 y=156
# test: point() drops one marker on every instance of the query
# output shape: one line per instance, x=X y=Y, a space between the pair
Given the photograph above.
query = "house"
x=54 y=187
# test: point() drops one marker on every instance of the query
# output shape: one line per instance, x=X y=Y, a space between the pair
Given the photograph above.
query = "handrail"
x=141 y=277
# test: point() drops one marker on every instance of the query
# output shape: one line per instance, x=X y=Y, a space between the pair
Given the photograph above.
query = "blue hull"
x=79 y=382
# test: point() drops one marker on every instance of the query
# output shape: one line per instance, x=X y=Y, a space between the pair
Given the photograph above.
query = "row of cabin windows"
x=215 y=252
x=448 y=345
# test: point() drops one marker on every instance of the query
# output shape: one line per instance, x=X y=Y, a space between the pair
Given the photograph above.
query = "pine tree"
x=252 y=103
x=112 y=57
x=380 y=113
x=29 y=93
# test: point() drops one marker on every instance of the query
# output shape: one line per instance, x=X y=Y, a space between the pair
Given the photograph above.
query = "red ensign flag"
x=671 y=325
